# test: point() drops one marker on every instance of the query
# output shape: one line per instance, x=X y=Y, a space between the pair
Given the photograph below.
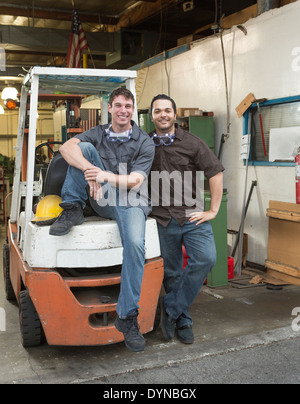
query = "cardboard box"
x=193 y=112
x=185 y=112
x=284 y=240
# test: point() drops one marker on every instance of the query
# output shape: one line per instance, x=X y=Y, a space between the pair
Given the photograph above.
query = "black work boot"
x=185 y=334
x=134 y=339
x=167 y=323
x=71 y=215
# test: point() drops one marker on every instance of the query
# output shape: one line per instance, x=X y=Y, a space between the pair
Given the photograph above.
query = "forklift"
x=67 y=288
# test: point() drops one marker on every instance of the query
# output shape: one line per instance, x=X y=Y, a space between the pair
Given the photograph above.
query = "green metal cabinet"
x=203 y=127
x=145 y=123
x=219 y=274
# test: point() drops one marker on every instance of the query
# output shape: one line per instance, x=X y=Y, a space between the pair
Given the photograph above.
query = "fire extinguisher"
x=297 y=162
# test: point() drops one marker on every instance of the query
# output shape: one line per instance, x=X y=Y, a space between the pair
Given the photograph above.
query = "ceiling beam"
x=143 y=12
x=45 y=53
x=52 y=40
x=56 y=14
x=11 y=73
x=234 y=19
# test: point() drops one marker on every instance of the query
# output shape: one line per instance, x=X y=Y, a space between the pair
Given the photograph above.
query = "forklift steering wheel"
x=50 y=149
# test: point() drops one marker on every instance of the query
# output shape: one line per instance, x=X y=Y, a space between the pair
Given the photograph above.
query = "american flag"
x=77 y=42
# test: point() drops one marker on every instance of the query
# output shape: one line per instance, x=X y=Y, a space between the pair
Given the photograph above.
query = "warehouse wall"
x=9 y=129
x=8 y=132
x=265 y=62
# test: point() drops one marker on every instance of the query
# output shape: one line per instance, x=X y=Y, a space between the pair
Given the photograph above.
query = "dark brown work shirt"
x=185 y=157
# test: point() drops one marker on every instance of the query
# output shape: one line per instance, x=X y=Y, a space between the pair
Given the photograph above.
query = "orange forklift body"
x=68 y=307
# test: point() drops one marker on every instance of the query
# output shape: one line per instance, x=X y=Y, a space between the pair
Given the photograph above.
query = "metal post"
x=104 y=110
x=19 y=149
x=254 y=184
x=241 y=235
x=130 y=85
x=31 y=149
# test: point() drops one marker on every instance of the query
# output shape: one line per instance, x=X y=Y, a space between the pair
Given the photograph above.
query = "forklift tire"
x=30 y=325
x=9 y=291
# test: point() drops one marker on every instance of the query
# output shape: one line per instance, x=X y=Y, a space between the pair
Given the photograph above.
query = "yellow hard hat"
x=47 y=211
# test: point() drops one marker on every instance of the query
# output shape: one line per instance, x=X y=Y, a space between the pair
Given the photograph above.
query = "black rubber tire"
x=9 y=291
x=30 y=325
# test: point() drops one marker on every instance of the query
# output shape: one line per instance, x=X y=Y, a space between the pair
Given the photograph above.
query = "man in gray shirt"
x=113 y=161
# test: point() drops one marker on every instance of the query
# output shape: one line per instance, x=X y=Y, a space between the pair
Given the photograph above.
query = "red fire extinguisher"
x=297 y=162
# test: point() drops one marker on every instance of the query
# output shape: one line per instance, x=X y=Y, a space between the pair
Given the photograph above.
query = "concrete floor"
x=242 y=318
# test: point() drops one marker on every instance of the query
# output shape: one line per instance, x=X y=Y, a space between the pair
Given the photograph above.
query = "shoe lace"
x=65 y=215
x=133 y=327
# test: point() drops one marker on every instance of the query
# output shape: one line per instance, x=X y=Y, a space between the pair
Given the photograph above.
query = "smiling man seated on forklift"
x=108 y=161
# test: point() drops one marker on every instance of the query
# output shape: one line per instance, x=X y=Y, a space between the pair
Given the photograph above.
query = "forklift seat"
x=55 y=176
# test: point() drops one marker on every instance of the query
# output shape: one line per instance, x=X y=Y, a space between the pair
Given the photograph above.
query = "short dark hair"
x=163 y=97
x=121 y=91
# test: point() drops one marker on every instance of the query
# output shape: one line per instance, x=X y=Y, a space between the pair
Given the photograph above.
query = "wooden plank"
x=142 y=12
x=284 y=211
x=283 y=268
x=55 y=14
x=244 y=105
x=240 y=17
x=285 y=2
x=284 y=206
x=282 y=215
x=283 y=277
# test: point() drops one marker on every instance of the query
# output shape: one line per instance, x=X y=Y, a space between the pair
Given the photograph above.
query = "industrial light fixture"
x=11 y=104
x=9 y=93
x=188 y=5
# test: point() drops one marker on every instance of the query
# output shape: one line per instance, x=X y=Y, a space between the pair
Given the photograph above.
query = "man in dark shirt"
x=113 y=160
x=181 y=157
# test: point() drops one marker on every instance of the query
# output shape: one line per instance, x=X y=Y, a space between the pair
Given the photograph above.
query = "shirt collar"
x=135 y=131
x=179 y=133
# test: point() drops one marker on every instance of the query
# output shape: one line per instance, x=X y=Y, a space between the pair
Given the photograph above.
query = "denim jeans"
x=183 y=286
x=131 y=222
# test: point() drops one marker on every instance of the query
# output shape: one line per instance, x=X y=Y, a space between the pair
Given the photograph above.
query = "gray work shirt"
x=135 y=155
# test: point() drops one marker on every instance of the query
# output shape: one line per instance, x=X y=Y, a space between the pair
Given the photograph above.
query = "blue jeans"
x=182 y=287
x=131 y=222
